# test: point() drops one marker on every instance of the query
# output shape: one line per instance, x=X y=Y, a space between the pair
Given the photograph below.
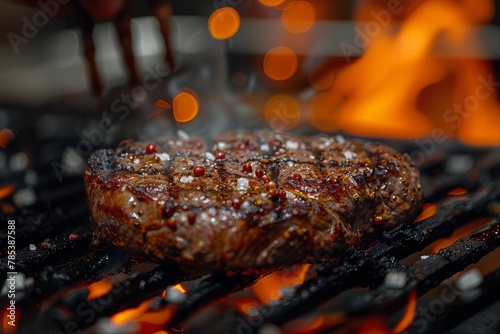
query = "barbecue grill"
x=404 y=281
x=437 y=274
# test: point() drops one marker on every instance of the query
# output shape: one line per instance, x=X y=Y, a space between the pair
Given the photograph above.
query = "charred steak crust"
x=256 y=200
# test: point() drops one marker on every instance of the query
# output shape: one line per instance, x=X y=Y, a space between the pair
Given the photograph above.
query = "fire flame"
x=179 y=287
x=99 y=289
x=149 y=320
x=269 y=288
x=409 y=314
x=399 y=88
x=8 y=328
x=429 y=210
x=6 y=191
x=457 y=191
x=457 y=234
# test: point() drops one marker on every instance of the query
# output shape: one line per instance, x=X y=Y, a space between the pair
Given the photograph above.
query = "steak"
x=255 y=201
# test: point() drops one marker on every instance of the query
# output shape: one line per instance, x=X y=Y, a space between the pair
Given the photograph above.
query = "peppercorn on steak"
x=254 y=201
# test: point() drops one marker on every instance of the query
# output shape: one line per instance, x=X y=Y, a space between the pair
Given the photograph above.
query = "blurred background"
x=420 y=71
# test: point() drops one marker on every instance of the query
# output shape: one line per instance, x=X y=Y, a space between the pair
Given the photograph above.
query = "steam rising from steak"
x=257 y=200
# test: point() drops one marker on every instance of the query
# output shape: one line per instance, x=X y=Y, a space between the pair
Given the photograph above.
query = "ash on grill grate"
x=58 y=298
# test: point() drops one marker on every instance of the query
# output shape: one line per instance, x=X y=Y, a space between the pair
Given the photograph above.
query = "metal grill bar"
x=71 y=263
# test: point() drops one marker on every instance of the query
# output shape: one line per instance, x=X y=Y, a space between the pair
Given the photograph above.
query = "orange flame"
x=179 y=288
x=7 y=190
x=428 y=211
x=149 y=320
x=99 y=289
x=373 y=326
x=155 y=320
x=409 y=314
x=244 y=304
x=398 y=88
x=457 y=191
x=457 y=234
x=7 y=322
x=268 y=288
x=121 y=318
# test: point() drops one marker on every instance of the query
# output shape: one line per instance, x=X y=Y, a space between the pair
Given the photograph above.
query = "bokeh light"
x=239 y=78
x=271 y=3
x=282 y=112
x=224 y=23
x=321 y=111
x=185 y=106
x=280 y=63
x=298 y=17
x=6 y=137
x=322 y=77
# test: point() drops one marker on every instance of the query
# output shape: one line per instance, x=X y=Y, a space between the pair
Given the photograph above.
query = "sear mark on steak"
x=255 y=201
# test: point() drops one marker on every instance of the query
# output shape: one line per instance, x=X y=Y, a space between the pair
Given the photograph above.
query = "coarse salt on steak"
x=257 y=200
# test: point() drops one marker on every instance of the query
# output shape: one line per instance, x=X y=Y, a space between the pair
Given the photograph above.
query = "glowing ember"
x=269 y=287
x=246 y=305
x=224 y=23
x=121 y=318
x=409 y=314
x=185 y=107
x=298 y=17
x=179 y=287
x=457 y=191
x=271 y=3
x=7 y=321
x=7 y=190
x=155 y=320
x=457 y=234
x=99 y=289
x=280 y=63
x=428 y=211
x=374 y=326
x=150 y=321
x=282 y=112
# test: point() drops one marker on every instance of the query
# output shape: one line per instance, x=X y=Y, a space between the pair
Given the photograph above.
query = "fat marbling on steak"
x=256 y=200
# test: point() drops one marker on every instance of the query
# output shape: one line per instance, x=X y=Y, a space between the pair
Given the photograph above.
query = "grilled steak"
x=256 y=200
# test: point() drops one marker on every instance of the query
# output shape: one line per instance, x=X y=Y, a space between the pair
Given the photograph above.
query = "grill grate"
x=63 y=268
